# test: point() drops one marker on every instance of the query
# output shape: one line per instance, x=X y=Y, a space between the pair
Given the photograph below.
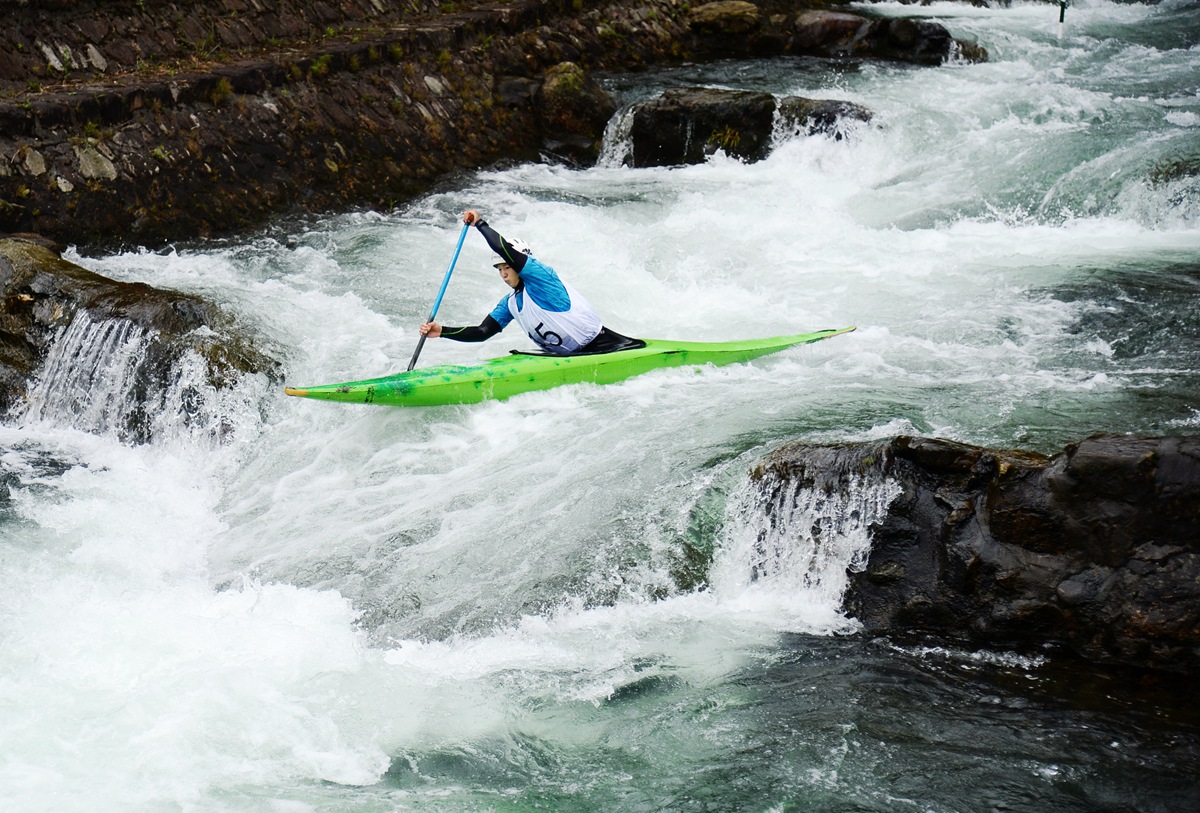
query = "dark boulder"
x=573 y=110
x=44 y=296
x=1095 y=550
x=687 y=125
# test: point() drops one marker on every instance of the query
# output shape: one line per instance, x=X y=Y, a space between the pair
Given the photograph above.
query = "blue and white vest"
x=556 y=316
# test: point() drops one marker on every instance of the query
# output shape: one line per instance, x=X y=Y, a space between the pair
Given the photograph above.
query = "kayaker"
x=556 y=316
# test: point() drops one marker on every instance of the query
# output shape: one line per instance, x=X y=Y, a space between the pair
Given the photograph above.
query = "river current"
x=564 y=601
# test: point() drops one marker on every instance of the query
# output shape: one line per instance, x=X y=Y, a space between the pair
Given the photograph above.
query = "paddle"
x=441 y=292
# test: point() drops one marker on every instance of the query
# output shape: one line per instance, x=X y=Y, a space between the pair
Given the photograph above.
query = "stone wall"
x=143 y=121
x=185 y=145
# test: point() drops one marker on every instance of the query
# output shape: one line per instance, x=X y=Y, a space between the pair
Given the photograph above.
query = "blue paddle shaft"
x=441 y=291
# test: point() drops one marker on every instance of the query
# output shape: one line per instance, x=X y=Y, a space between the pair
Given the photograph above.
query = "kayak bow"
x=499 y=378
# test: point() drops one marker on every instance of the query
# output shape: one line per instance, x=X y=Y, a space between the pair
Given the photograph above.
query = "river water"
x=564 y=601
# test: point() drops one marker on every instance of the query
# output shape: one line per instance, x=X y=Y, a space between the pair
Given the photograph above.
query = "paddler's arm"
x=499 y=245
x=486 y=329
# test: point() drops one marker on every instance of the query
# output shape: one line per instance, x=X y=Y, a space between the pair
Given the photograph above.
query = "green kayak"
x=511 y=375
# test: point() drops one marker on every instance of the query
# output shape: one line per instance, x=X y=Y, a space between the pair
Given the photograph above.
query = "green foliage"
x=320 y=66
x=222 y=92
x=727 y=138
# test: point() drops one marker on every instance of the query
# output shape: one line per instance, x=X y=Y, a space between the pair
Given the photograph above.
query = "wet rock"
x=812 y=116
x=728 y=17
x=687 y=125
x=42 y=295
x=1094 y=550
x=841 y=35
x=573 y=110
x=734 y=28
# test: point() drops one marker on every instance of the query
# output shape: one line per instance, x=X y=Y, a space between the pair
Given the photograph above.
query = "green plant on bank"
x=444 y=59
x=91 y=129
x=207 y=47
x=606 y=32
x=162 y=154
x=222 y=92
x=320 y=66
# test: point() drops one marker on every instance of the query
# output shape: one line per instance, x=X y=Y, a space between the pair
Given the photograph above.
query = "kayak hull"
x=500 y=378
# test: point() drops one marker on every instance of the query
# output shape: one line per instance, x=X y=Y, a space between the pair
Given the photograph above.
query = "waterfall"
x=87 y=379
x=112 y=377
x=790 y=534
x=616 y=148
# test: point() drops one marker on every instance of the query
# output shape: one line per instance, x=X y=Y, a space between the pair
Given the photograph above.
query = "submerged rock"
x=687 y=125
x=1096 y=549
x=44 y=297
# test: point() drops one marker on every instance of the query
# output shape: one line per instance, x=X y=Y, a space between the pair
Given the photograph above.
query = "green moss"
x=320 y=66
x=222 y=92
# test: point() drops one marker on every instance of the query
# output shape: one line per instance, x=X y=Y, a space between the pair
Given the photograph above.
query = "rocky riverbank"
x=147 y=122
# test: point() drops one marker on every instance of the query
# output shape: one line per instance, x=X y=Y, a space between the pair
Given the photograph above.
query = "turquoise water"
x=569 y=601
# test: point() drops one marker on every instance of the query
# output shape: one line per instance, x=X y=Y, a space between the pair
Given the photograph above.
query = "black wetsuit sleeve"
x=486 y=329
x=501 y=246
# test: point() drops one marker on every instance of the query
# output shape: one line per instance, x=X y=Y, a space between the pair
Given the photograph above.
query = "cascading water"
x=86 y=382
x=800 y=542
x=580 y=599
